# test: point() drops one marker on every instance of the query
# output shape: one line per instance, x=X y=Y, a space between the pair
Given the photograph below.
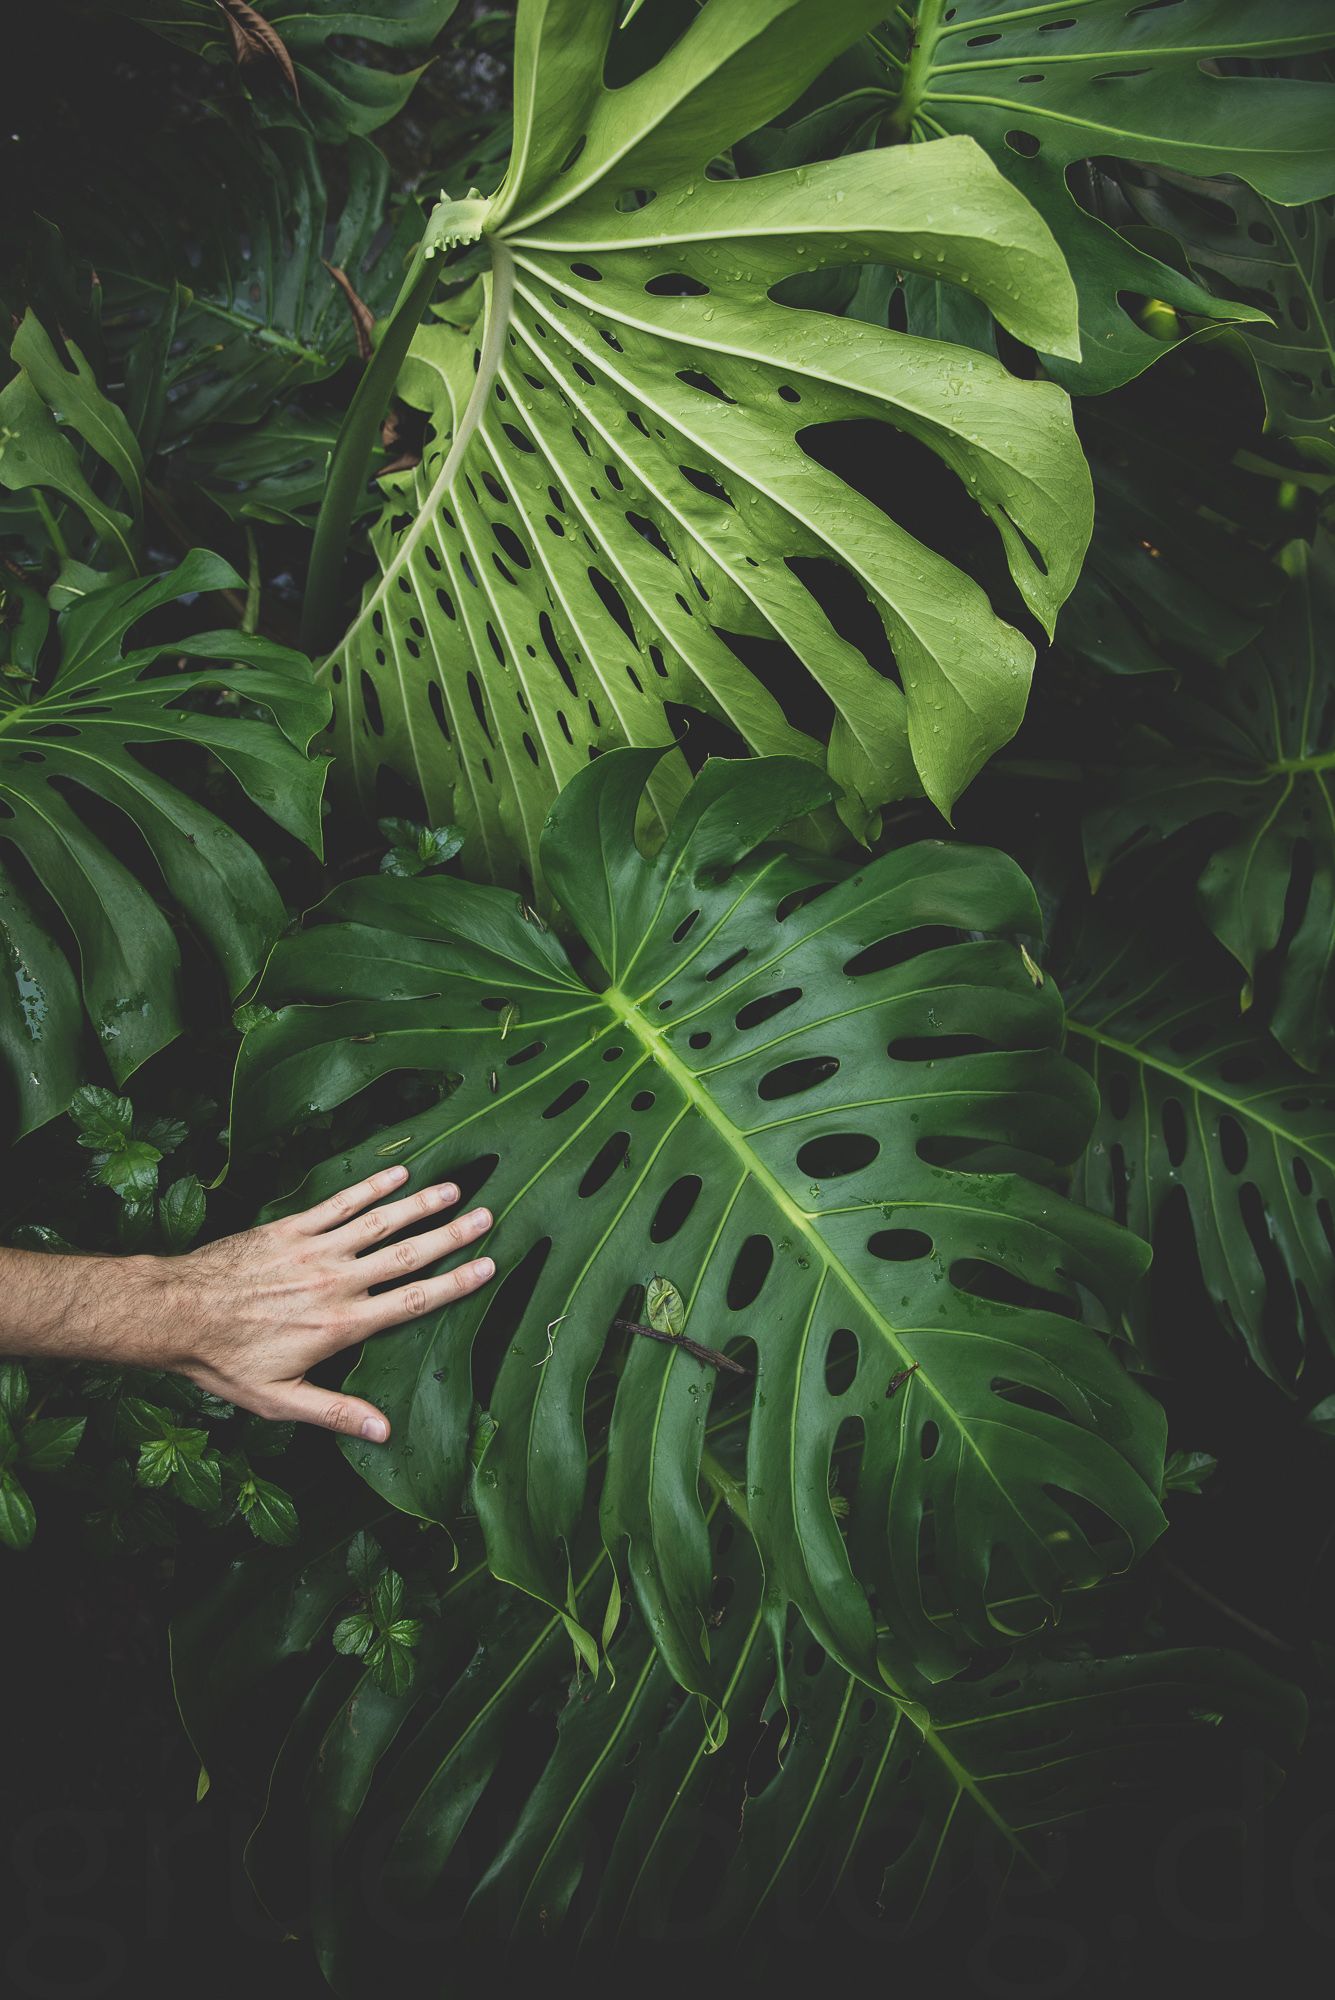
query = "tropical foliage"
x=800 y=538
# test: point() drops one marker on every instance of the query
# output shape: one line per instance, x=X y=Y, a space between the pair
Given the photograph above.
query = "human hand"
x=250 y=1315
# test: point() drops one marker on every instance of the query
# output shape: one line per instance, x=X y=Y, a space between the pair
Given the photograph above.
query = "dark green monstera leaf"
x=1196 y=1099
x=395 y=1806
x=1056 y=90
x=1253 y=751
x=299 y=58
x=230 y=305
x=624 y=512
x=1282 y=260
x=828 y=1122
x=82 y=729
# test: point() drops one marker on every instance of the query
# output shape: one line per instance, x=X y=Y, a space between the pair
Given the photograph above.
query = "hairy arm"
x=249 y=1316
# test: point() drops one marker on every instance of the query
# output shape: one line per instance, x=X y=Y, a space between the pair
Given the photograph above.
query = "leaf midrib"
x=657 y=1049
x=1239 y=1107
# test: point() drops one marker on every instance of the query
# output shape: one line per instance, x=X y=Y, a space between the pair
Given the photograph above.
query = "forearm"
x=109 y=1309
x=247 y=1317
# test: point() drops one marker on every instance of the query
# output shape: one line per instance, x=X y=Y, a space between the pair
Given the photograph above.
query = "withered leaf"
x=363 y=319
x=253 y=38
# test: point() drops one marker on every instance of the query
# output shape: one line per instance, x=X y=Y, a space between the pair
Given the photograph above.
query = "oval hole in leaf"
x=900 y=1246
x=897 y=950
x=756 y=1012
x=674 y=1208
x=792 y=1078
x=841 y=1361
x=604 y=1164
x=506 y=1307
x=835 y=1154
x=746 y=1280
x=568 y=1097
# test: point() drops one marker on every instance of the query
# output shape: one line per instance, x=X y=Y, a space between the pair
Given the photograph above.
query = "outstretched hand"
x=254 y=1313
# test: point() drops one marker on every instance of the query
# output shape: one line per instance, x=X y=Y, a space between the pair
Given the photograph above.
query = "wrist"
x=145 y=1320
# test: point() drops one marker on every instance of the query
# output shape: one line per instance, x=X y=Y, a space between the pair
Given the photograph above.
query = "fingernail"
x=375 y=1428
x=484 y=1268
x=446 y=1193
x=479 y=1219
x=399 y=1173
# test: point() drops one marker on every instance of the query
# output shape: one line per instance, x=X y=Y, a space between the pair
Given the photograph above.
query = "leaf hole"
x=793 y=1078
x=675 y=1208
x=746 y=1280
x=610 y=1155
x=900 y=1246
x=834 y=1155
x=842 y=1358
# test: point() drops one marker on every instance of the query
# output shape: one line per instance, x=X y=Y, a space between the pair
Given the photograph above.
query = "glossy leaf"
x=821 y=1121
x=85 y=739
x=1054 y=91
x=238 y=282
x=625 y=509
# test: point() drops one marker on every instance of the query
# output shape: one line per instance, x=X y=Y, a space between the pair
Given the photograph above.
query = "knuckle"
x=373 y=1224
x=335 y=1416
x=340 y=1201
x=408 y=1255
x=415 y=1300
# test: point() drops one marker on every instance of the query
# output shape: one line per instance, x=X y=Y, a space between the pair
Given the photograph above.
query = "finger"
x=304 y=1403
x=414 y=1253
x=346 y=1202
x=426 y=1295
x=395 y=1215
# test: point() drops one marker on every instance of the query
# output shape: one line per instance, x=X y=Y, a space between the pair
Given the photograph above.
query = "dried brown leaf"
x=363 y=319
x=253 y=37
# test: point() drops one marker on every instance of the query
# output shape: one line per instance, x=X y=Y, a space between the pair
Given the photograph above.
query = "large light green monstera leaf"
x=831 y=1122
x=622 y=520
x=1056 y=90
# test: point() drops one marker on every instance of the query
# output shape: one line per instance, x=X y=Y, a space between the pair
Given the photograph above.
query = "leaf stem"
x=351 y=455
x=51 y=525
x=924 y=34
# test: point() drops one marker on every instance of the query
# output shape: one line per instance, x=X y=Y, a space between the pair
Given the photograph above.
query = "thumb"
x=305 y=1403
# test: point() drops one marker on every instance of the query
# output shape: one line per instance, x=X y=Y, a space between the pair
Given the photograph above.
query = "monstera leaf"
x=295 y=58
x=877 y=1808
x=632 y=516
x=1054 y=91
x=58 y=435
x=1257 y=751
x=1196 y=1099
x=1281 y=259
x=81 y=729
x=231 y=305
x=829 y=1125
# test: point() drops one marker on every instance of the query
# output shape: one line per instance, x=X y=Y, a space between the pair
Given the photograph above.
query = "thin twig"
x=709 y=1355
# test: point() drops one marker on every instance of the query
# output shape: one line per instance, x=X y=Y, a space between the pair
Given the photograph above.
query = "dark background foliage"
x=118 y=1879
